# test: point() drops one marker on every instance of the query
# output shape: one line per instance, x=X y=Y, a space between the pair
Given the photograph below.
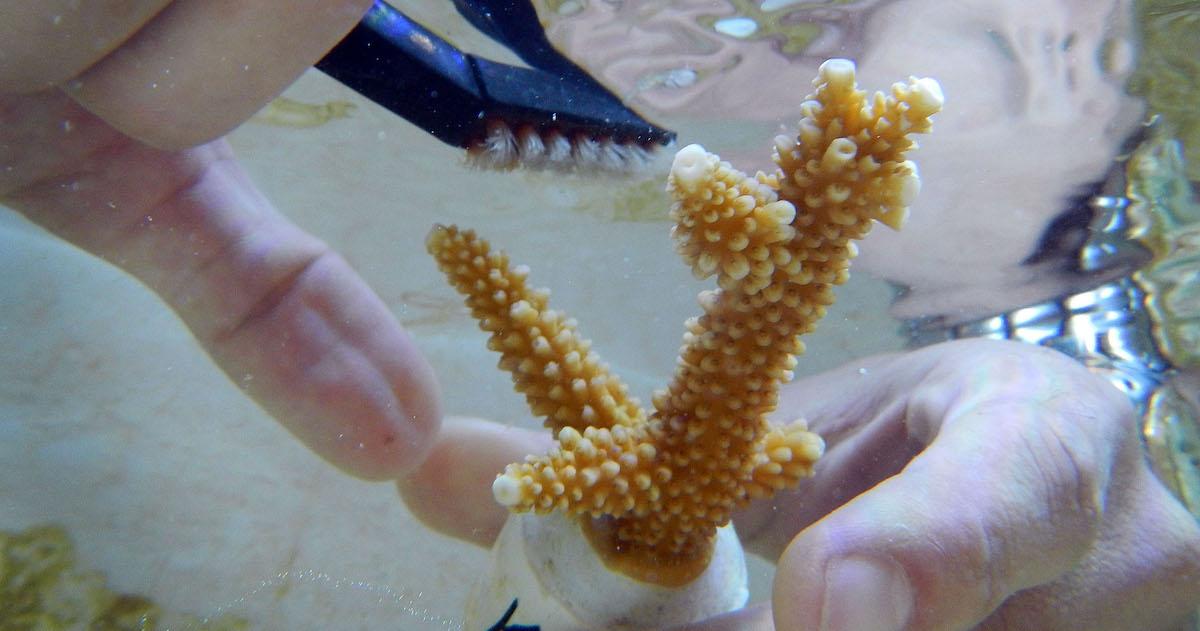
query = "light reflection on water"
x=1036 y=112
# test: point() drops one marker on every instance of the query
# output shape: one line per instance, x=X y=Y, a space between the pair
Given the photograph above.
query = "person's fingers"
x=201 y=67
x=289 y=321
x=1143 y=571
x=451 y=491
x=171 y=75
x=45 y=43
x=1010 y=494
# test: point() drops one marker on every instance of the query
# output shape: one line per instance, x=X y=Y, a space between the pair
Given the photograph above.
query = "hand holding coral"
x=985 y=485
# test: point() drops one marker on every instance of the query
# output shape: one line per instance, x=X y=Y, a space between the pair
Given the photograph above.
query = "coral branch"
x=561 y=378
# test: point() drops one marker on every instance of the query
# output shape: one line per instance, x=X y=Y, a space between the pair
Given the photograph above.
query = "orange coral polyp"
x=777 y=243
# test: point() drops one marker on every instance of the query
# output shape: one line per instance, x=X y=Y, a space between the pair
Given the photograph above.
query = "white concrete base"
x=546 y=562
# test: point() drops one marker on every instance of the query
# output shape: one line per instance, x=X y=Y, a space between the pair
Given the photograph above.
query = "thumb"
x=1008 y=495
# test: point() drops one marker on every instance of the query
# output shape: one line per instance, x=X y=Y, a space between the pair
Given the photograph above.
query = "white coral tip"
x=910 y=185
x=506 y=490
x=926 y=97
x=836 y=72
x=689 y=168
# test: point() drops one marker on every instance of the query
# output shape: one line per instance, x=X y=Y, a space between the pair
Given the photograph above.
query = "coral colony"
x=651 y=487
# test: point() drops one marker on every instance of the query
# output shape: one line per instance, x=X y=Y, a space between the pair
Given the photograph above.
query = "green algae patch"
x=41 y=589
x=1167 y=70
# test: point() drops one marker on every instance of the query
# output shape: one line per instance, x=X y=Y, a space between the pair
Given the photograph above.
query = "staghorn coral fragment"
x=658 y=484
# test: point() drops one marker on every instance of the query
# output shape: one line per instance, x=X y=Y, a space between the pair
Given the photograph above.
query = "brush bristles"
x=505 y=148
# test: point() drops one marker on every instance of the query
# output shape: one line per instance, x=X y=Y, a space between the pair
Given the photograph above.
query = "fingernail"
x=866 y=594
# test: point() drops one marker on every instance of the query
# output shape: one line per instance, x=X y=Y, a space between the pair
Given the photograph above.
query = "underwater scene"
x=600 y=314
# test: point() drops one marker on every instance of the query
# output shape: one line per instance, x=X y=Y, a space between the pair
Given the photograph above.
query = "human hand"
x=172 y=74
x=286 y=318
x=973 y=484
